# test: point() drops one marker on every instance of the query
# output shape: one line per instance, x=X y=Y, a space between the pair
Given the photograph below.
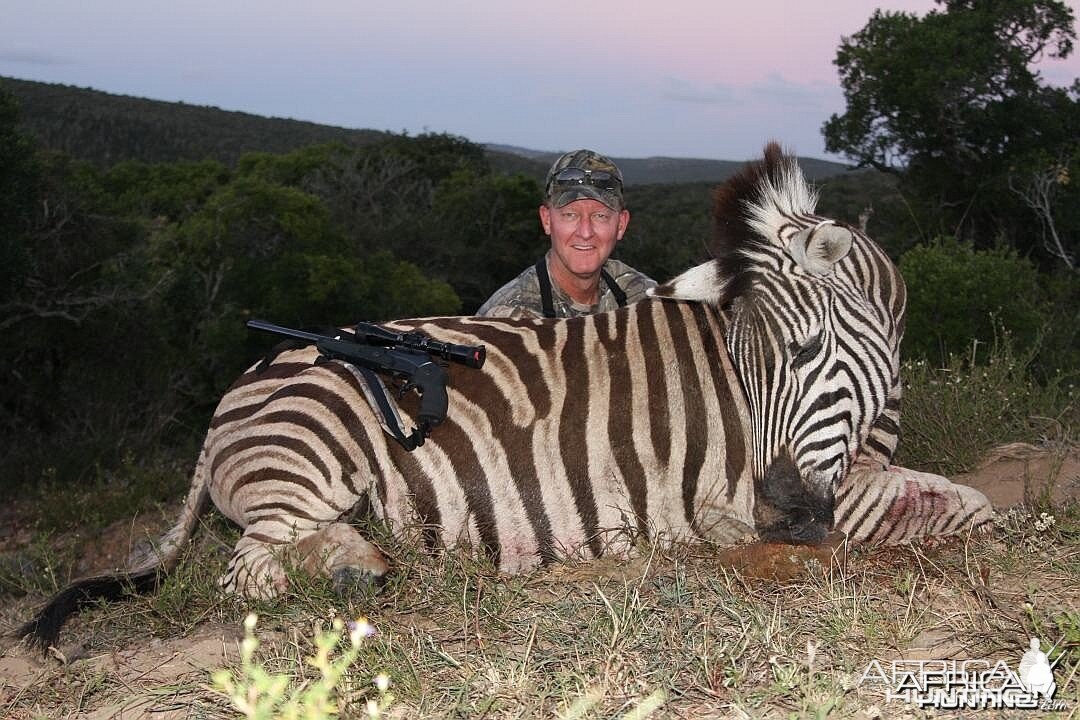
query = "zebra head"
x=814 y=316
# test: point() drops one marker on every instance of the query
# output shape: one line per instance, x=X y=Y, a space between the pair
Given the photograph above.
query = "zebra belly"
x=565 y=511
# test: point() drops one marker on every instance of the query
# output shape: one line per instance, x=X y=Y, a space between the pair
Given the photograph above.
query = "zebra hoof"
x=356 y=581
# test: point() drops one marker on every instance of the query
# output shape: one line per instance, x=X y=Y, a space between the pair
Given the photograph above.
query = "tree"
x=19 y=178
x=482 y=231
x=952 y=103
x=1042 y=190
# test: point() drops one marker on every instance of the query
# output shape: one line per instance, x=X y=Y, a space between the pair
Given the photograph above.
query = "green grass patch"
x=138 y=484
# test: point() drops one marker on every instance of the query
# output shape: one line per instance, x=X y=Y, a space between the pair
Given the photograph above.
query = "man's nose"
x=585 y=228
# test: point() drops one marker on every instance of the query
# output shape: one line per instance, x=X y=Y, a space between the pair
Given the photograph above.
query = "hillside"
x=665 y=170
x=104 y=128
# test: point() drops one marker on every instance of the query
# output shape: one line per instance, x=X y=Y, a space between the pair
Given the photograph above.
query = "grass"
x=673 y=632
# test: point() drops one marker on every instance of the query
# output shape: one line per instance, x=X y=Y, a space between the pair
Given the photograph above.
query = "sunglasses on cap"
x=577 y=176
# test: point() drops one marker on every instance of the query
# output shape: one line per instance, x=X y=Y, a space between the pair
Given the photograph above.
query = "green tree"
x=952 y=102
x=19 y=178
x=871 y=199
x=161 y=191
x=481 y=232
x=81 y=376
x=670 y=226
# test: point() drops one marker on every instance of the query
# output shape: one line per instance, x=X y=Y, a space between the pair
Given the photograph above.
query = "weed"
x=262 y=695
x=136 y=485
x=954 y=415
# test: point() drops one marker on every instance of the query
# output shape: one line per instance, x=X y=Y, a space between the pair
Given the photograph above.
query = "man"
x=584 y=215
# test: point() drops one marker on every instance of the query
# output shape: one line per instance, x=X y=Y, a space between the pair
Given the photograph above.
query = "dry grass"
x=676 y=631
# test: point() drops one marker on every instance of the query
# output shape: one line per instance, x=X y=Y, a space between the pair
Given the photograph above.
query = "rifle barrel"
x=370 y=335
x=289 y=332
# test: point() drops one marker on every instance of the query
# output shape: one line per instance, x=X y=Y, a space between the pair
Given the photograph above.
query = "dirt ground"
x=152 y=671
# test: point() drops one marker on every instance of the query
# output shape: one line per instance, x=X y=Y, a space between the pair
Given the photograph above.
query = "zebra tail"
x=43 y=630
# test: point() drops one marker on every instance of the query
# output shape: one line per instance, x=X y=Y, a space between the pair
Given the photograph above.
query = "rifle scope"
x=469 y=355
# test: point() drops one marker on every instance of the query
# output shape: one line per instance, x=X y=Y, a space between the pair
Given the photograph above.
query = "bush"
x=954 y=414
x=1060 y=346
x=956 y=294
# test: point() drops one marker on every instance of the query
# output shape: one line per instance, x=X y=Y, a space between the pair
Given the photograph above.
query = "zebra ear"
x=702 y=283
x=816 y=249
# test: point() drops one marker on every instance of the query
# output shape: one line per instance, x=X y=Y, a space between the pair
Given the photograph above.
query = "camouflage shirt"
x=520 y=298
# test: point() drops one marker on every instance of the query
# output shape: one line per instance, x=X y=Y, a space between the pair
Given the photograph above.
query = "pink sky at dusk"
x=694 y=78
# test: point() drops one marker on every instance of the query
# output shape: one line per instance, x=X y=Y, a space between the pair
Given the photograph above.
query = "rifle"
x=471 y=355
x=403 y=355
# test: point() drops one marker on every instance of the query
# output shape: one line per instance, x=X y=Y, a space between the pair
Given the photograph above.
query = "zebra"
x=755 y=395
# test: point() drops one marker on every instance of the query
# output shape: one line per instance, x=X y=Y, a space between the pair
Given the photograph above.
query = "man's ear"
x=545 y=218
x=624 y=220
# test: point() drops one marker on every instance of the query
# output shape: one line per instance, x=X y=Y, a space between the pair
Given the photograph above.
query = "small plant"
x=109 y=494
x=260 y=695
x=954 y=414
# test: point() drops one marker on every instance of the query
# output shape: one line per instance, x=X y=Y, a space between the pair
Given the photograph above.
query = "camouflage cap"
x=605 y=187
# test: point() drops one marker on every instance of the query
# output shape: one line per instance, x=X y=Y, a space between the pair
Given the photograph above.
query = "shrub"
x=953 y=414
x=956 y=294
x=262 y=695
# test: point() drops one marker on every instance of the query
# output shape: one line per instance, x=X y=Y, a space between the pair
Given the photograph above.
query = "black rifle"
x=470 y=355
x=406 y=355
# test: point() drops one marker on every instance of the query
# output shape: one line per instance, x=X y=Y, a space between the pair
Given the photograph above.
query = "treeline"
x=124 y=289
x=105 y=129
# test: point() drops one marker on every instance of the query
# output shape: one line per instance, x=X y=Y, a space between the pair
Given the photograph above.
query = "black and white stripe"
x=574 y=438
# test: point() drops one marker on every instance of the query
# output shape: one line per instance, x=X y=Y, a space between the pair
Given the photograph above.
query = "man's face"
x=583 y=234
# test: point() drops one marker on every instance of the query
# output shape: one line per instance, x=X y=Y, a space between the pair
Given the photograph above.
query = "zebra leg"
x=255 y=569
x=896 y=505
x=336 y=550
x=341 y=553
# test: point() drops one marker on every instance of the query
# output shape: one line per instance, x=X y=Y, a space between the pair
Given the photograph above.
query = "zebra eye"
x=806 y=352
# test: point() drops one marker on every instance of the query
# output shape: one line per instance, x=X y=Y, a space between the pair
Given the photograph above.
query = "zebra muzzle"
x=789 y=508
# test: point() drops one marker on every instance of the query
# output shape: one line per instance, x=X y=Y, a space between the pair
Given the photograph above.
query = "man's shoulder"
x=620 y=270
x=633 y=282
x=520 y=294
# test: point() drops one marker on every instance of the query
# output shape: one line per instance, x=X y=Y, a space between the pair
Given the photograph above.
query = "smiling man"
x=584 y=215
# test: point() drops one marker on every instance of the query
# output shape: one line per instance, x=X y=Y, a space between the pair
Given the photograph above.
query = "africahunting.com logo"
x=970 y=684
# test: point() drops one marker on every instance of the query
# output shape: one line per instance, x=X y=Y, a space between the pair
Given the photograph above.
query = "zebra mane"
x=748 y=210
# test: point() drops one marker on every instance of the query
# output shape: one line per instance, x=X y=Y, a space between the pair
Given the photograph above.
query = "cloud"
x=32 y=58
x=681 y=90
x=774 y=90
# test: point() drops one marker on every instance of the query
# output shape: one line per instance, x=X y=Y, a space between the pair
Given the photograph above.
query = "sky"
x=682 y=78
